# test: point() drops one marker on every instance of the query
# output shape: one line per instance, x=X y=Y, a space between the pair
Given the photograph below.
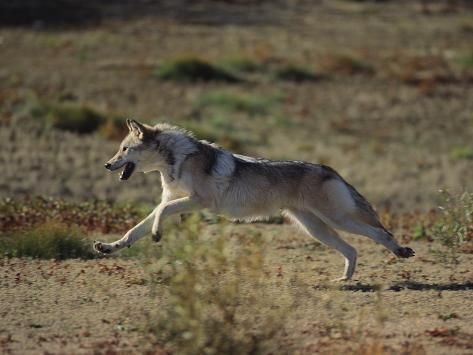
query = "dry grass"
x=345 y=64
x=454 y=229
x=28 y=213
x=426 y=70
x=51 y=240
x=393 y=116
x=220 y=317
x=254 y=288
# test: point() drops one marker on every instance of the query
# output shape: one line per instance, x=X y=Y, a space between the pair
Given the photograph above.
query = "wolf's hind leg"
x=318 y=229
x=137 y=232
x=377 y=233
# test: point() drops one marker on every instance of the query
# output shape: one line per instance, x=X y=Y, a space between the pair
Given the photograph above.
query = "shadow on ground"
x=406 y=285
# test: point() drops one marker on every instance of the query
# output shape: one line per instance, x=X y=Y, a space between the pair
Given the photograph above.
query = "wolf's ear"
x=128 y=124
x=136 y=128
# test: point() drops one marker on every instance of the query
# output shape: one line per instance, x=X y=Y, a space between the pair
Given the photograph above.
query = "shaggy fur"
x=315 y=196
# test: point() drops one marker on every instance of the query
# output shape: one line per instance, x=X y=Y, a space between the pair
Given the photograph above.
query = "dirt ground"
x=415 y=306
x=398 y=131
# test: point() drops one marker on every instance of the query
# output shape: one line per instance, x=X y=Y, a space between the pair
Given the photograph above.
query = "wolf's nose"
x=108 y=165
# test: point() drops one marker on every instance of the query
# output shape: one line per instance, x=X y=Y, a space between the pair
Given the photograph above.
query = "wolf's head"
x=136 y=150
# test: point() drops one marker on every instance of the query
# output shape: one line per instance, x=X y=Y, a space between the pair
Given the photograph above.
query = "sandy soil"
x=102 y=306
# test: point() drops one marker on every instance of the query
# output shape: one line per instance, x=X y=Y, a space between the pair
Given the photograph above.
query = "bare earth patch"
x=413 y=306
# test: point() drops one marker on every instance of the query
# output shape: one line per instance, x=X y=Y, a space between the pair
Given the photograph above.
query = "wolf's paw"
x=102 y=248
x=156 y=237
x=405 y=252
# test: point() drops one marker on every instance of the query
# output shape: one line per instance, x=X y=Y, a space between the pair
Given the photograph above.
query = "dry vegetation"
x=224 y=288
x=379 y=90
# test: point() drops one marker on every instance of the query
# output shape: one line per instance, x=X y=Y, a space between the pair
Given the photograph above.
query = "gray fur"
x=273 y=171
x=241 y=187
x=168 y=155
x=208 y=153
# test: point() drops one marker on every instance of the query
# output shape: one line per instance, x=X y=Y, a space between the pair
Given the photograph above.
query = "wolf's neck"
x=175 y=147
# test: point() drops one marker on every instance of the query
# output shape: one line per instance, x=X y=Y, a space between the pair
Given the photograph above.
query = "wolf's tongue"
x=126 y=173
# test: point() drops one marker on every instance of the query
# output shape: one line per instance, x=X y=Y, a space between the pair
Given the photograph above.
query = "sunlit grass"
x=191 y=69
x=214 y=292
x=236 y=102
x=50 y=240
x=68 y=117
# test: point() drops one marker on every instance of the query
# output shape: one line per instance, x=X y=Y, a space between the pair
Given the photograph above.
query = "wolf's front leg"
x=181 y=205
x=129 y=238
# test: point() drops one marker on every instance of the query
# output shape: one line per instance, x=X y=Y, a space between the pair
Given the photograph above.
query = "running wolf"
x=314 y=196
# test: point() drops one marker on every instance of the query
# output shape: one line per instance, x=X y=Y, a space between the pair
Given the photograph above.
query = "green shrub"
x=78 y=119
x=38 y=111
x=466 y=61
x=419 y=232
x=460 y=153
x=68 y=117
x=455 y=227
x=214 y=301
x=193 y=70
x=49 y=241
x=295 y=74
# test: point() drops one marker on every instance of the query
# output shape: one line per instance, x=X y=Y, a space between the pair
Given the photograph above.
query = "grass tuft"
x=215 y=294
x=419 y=232
x=52 y=240
x=193 y=70
x=76 y=118
x=462 y=153
x=69 y=117
x=466 y=61
x=454 y=229
x=250 y=104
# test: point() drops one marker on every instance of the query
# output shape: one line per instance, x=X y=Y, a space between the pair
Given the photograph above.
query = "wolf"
x=314 y=196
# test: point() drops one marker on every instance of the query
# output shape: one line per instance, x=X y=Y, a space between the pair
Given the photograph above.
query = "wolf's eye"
x=124 y=149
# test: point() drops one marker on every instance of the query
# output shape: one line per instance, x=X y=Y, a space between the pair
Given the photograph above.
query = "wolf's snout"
x=108 y=166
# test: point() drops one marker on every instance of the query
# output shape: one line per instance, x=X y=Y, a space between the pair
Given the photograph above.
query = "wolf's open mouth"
x=126 y=173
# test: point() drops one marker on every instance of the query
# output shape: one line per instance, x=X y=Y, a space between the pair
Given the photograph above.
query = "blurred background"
x=379 y=90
